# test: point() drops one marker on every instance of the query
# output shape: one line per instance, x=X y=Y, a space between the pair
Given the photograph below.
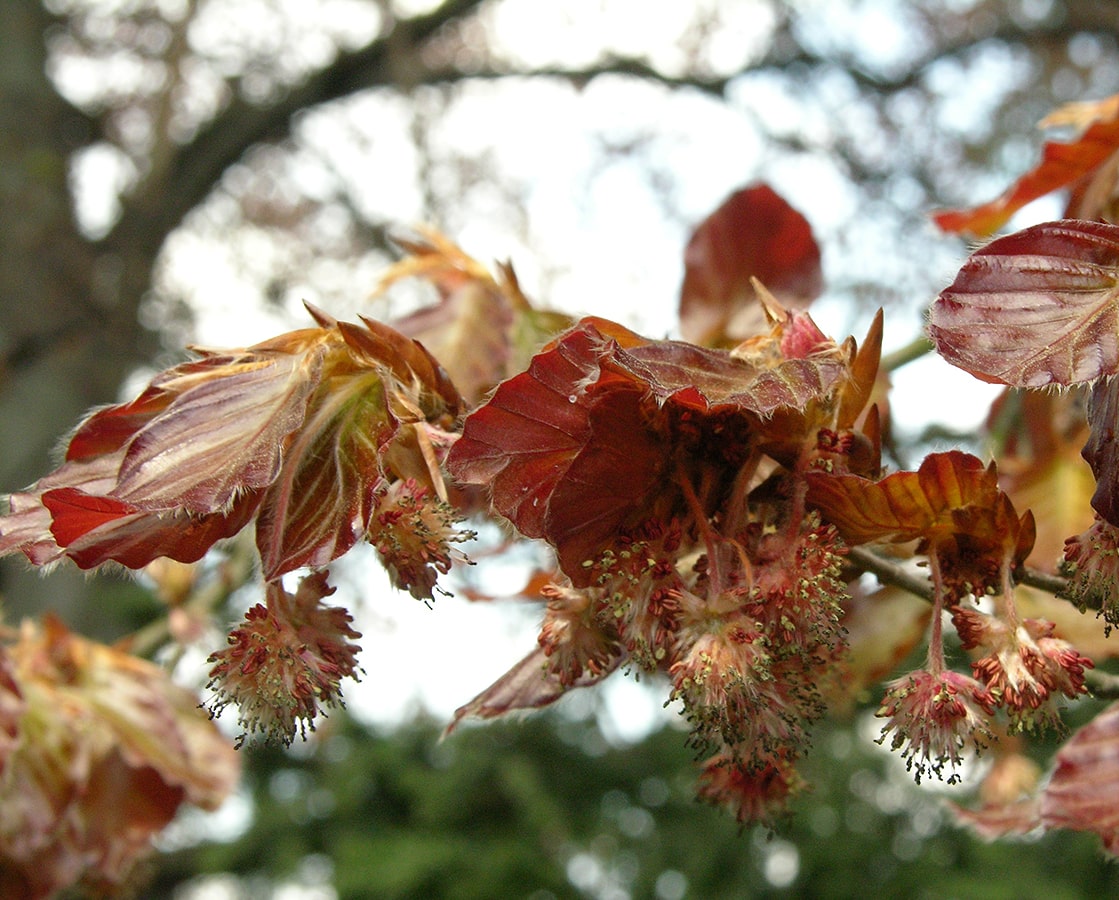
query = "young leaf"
x=220 y=436
x=754 y=234
x=310 y=422
x=319 y=506
x=1062 y=165
x=1037 y=307
x=92 y=530
x=1101 y=450
x=1081 y=793
x=530 y=684
x=952 y=503
x=108 y=750
x=904 y=506
x=600 y=430
x=483 y=328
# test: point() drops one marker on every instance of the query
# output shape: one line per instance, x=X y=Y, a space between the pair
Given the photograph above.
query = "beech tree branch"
x=157 y=208
x=889 y=572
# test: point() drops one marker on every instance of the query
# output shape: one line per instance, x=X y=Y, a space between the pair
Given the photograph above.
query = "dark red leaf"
x=754 y=234
x=93 y=530
x=1101 y=451
x=1036 y=307
x=596 y=435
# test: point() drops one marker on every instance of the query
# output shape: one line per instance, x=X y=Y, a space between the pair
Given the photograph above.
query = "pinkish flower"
x=1092 y=564
x=286 y=661
x=413 y=532
x=574 y=638
x=729 y=691
x=934 y=716
x=753 y=791
x=1028 y=671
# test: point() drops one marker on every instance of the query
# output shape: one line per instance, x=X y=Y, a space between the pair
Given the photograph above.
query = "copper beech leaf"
x=1101 y=450
x=904 y=506
x=1062 y=165
x=754 y=234
x=305 y=422
x=952 y=495
x=530 y=684
x=482 y=323
x=599 y=430
x=319 y=506
x=1082 y=790
x=1036 y=307
x=219 y=437
x=96 y=530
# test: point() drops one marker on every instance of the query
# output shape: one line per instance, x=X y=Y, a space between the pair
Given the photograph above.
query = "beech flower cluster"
x=669 y=479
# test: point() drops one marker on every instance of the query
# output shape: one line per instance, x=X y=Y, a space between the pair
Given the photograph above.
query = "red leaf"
x=904 y=506
x=93 y=530
x=1036 y=307
x=1081 y=794
x=222 y=434
x=483 y=329
x=754 y=234
x=1061 y=165
x=952 y=505
x=530 y=684
x=1101 y=451
x=319 y=506
x=596 y=436
x=564 y=417
x=309 y=413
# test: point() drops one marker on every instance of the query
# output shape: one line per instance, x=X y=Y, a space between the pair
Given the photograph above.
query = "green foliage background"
x=544 y=808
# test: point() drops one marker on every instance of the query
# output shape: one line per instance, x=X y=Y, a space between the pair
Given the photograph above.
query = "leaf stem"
x=915 y=349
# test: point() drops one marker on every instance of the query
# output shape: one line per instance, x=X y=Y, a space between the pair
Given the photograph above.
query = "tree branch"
x=197 y=166
x=889 y=572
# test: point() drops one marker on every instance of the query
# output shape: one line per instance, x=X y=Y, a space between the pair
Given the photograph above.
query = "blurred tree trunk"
x=68 y=309
x=68 y=325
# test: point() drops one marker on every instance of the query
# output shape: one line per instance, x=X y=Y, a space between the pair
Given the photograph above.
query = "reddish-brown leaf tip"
x=755 y=233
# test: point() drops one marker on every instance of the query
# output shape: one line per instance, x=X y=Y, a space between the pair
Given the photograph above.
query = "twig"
x=1103 y=685
x=1043 y=581
x=889 y=572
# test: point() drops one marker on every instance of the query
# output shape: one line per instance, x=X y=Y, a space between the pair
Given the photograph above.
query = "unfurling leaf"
x=601 y=430
x=755 y=234
x=1037 y=307
x=1062 y=165
x=530 y=684
x=1101 y=450
x=904 y=506
x=483 y=329
x=951 y=503
x=300 y=431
